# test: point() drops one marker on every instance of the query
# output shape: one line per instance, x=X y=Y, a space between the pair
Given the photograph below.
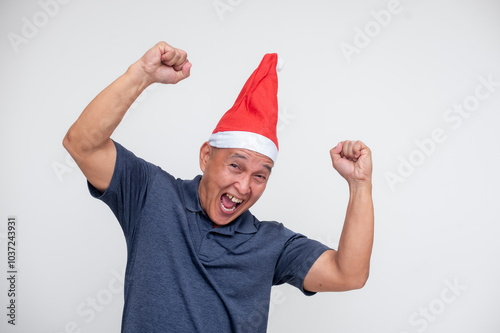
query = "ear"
x=205 y=153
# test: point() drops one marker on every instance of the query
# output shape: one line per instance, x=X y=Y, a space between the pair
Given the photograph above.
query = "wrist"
x=138 y=76
x=360 y=186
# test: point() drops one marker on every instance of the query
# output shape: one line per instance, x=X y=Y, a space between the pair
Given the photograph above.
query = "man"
x=198 y=260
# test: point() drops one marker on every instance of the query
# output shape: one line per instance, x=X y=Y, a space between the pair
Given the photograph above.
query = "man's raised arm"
x=348 y=267
x=88 y=139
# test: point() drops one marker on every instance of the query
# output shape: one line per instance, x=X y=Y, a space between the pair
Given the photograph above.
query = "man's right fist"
x=164 y=64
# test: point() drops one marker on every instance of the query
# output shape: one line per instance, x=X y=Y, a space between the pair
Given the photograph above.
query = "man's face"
x=233 y=180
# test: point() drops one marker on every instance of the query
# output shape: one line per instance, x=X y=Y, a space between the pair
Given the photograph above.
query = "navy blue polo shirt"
x=184 y=276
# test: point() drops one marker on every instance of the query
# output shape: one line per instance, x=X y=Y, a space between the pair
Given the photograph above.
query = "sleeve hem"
x=95 y=192
x=307 y=266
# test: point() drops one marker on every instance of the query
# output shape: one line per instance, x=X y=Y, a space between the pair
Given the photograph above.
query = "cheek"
x=218 y=182
x=216 y=176
x=225 y=178
x=258 y=190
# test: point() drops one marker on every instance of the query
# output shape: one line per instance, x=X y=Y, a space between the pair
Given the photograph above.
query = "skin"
x=88 y=139
x=348 y=267
x=239 y=172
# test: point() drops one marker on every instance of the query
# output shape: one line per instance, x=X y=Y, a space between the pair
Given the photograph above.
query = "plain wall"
x=417 y=81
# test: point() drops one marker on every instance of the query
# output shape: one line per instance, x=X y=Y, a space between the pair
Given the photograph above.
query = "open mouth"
x=229 y=203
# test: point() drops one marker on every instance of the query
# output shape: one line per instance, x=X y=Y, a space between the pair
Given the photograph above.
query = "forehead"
x=246 y=155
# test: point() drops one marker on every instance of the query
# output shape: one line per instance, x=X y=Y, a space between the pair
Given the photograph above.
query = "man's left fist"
x=353 y=161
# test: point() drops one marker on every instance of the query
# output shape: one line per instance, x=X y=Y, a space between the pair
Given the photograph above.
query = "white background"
x=436 y=225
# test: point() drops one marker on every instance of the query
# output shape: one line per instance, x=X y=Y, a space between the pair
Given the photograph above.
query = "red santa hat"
x=251 y=122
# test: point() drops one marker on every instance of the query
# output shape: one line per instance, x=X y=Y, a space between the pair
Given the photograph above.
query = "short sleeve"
x=126 y=194
x=299 y=254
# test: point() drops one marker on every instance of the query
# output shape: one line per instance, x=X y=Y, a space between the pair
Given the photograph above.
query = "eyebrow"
x=236 y=155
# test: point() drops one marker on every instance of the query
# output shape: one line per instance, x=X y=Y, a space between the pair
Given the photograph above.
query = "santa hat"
x=251 y=122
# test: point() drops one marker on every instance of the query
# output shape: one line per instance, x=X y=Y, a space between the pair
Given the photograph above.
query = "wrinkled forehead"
x=246 y=155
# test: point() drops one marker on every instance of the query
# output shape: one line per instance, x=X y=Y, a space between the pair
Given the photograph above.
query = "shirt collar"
x=245 y=223
x=190 y=194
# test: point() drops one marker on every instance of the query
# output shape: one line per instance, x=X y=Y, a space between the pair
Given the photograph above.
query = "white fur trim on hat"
x=244 y=140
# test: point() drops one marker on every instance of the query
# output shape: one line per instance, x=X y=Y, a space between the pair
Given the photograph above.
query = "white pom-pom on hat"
x=280 y=64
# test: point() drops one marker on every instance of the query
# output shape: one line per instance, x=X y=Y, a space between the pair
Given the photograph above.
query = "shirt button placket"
x=205 y=248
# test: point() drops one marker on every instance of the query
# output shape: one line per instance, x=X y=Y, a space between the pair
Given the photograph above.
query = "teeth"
x=234 y=199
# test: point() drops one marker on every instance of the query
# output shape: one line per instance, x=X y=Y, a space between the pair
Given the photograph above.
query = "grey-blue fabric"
x=184 y=276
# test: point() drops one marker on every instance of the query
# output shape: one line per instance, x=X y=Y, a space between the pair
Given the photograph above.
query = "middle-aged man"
x=197 y=259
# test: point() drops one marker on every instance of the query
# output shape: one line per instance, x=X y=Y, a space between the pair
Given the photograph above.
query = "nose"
x=242 y=185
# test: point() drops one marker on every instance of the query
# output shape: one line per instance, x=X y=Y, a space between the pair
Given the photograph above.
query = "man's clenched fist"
x=163 y=64
x=353 y=161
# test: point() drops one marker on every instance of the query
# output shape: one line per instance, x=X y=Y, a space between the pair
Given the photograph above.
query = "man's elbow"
x=66 y=141
x=357 y=282
x=70 y=139
x=74 y=145
x=69 y=143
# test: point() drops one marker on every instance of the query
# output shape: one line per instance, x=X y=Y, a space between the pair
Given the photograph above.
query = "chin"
x=220 y=220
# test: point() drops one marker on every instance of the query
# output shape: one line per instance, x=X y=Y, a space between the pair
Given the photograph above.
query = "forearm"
x=356 y=241
x=100 y=118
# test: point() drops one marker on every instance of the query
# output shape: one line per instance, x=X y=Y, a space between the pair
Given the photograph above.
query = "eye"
x=261 y=178
x=233 y=167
